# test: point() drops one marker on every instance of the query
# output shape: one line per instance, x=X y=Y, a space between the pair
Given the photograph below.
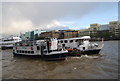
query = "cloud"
x=20 y=17
x=55 y=25
x=75 y=28
x=18 y=26
x=60 y=0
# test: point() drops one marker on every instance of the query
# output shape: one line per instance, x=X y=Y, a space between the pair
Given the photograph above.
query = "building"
x=49 y=34
x=37 y=32
x=27 y=35
x=31 y=35
x=104 y=27
x=60 y=34
x=94 y=28
x=68 y=34
x=45 y=35
x=55 y=34
x=84 y=32
x=117 y=32
x=114 y=29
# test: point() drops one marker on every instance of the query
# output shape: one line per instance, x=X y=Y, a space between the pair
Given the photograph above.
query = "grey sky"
x=21 y=17
x=25 y=16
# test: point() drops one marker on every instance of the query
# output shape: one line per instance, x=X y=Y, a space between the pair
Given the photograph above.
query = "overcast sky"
x=25 y=16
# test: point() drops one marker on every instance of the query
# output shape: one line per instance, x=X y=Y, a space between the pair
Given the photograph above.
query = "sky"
x=19 y=17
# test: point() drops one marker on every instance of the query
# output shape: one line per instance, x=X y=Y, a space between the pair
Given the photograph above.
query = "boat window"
x=61 y=41
x=76 y=40
x=66 y=47
x=28 y=51
x=17 y=44
x=38 y=48
x=8 y=40
x=71 y=41
x=32 y=52
x=17 y=51
x=83 y=48
x=59 y=49
x=63 y=45
x=58 y=41
x=20 y=51
x=26 y=44
x=65 y=41
x=20 y=44
x=25 y=51
x=43 y=47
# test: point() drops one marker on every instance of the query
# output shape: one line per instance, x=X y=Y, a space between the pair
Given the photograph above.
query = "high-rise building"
x=31 y=35
x=114 y=28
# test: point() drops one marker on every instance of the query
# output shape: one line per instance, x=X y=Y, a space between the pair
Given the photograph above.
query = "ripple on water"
x=85 y=67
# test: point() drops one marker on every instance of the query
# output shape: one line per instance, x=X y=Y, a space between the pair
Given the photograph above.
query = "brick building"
x=50 y=34
x=62 y=34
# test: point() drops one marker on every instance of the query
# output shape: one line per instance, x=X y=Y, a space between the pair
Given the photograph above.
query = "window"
x=28 y=51
x=76 y=40
x=83 y=48
x=71 y=41
x=20 y=51
x=65 y=41
x=63 y=45
x=25 y=51
x=38 y=48
x=61 y=41
x=32 y=52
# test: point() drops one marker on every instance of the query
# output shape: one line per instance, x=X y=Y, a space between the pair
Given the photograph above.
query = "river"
x=105 y=67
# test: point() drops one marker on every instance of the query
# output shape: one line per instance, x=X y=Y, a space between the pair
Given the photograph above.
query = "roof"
x=84 y=37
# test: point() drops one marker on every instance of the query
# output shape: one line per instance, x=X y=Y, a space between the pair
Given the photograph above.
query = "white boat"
x=80 y=45
x=47 y=49
x=8 y=42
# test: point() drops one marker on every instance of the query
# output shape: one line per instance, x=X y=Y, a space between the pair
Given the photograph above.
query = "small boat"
x=47 y=49
x=8 y=42
x=80 y=46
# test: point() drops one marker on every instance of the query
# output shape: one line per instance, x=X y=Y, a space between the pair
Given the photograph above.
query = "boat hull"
x=90 y=52
x=83 y=52
x=51 y=57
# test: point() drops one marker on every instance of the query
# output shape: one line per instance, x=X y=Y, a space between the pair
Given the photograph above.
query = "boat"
x=80 y=46
x=8 y=42
x=47 y=49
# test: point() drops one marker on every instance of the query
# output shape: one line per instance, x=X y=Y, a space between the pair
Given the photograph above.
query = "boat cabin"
x=81 y=42
x=40 y=47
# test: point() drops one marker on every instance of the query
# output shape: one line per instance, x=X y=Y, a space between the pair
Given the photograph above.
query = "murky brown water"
x=105 y=67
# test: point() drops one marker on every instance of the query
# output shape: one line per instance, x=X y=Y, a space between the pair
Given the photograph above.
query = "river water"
x=105 y=67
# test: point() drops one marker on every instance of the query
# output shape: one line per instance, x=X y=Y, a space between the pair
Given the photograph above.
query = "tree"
x=39 y=38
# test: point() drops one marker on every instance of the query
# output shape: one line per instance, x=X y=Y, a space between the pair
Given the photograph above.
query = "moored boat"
x=8 y=42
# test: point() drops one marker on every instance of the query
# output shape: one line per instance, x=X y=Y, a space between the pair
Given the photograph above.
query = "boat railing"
x=26 y=43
